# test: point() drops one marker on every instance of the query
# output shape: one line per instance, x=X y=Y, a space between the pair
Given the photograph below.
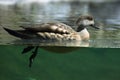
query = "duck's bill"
x=94 y=26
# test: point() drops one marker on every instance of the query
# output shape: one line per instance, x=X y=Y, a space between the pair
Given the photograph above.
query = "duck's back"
x=46 y=31
x=52 y=31
x=49 y=27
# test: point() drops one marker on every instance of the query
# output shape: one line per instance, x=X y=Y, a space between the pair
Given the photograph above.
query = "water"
x=97 y=60
x=84 y=63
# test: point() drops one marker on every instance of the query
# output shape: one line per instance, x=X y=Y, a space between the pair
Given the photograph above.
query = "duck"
x=53 y=31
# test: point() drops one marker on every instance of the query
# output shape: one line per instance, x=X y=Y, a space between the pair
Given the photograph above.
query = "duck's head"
x=85 y=21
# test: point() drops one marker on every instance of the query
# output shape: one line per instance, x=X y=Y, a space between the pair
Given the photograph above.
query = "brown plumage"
x=55 y=31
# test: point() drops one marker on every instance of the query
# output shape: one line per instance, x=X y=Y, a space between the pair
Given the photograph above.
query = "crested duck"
x=56 y=31
x=53 y=31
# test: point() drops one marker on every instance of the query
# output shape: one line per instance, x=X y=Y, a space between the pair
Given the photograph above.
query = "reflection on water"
x=52 y=43
x=21 y=14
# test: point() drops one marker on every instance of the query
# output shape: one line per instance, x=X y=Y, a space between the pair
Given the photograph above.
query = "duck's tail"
x=16 y=33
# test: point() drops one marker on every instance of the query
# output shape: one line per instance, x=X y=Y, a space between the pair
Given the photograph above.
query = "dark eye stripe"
x=89 y=18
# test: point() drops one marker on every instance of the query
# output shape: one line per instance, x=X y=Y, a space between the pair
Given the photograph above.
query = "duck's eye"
x=90 y=18
x=91 y=24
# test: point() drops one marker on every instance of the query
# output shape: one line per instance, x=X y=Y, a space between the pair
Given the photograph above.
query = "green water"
x=82 y=64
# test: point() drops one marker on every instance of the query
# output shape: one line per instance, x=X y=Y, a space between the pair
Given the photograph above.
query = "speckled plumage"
x=46 y=31
x=55 y=30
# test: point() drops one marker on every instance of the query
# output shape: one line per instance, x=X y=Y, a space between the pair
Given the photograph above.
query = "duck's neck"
x=80 y=28
x=84 y=34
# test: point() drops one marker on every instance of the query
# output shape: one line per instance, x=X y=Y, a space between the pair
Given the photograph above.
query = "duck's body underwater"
x=53 y=31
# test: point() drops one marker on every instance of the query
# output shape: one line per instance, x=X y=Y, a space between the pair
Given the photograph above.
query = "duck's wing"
x=49 y=27
x=43 y=31
x=20 y=33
